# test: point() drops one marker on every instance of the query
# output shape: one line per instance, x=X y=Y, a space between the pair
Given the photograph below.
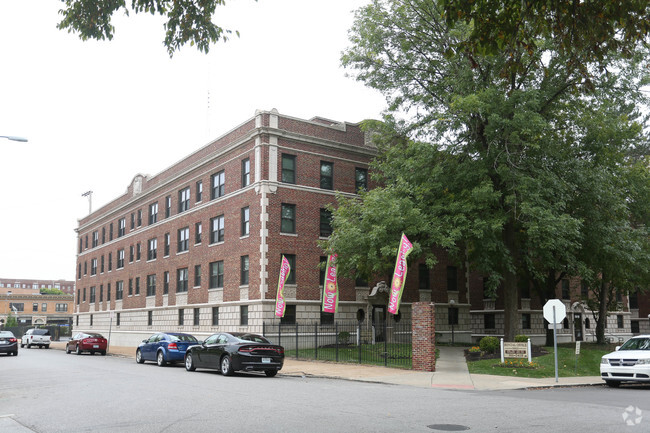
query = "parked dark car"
x=164 y=347
x=8 y=343
x=86 y=342
x=236 y=351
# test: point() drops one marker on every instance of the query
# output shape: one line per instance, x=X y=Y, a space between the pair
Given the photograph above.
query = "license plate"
x=266 y=360
x=3 y=342
x=95 y=346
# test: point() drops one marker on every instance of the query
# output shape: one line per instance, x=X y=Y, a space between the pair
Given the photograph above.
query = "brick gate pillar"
x=424 y=337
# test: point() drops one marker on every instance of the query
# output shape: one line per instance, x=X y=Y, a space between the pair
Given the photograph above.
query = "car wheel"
x=47 y=346
x=78 y=351
x=613 y=383
x=29 y=346
x=160 y=359
x=226 y=366
x=22 y=346
x=67 y=349
x=15 y=353
x=138 y=357
x=103 y=352
x=92 y=353
x=189 y=362
x=270 y=373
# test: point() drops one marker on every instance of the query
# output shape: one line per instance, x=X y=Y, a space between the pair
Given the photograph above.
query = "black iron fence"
x=384 y=343
x=57 y=332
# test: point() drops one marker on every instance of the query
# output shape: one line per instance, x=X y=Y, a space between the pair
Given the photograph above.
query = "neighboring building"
x=37 y=309
x=33 y=287
x=197 y=247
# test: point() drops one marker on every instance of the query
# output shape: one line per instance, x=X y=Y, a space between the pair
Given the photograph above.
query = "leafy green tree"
x=188 y=21
x=51 y=291
x=11 y=320
x=487 y=163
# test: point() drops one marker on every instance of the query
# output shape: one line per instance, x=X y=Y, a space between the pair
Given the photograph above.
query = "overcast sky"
x=98 y=113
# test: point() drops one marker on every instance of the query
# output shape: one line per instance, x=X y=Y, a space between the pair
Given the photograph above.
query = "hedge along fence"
x=387 y=343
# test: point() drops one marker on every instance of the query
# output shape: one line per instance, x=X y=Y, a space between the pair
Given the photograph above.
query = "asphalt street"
x=48 y=391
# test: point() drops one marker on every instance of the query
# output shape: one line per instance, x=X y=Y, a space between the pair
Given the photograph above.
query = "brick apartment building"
x=33 y=287
x=197 y=247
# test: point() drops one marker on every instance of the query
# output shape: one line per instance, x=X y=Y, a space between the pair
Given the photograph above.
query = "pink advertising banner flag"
x=330 y=286
x=284 y=274
x=399 y=276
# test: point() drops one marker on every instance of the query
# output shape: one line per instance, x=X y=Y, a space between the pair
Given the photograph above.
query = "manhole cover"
x=448 y=427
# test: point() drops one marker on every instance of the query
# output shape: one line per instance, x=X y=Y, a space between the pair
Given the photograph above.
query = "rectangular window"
x=61 y=308
x=153 y=213
x=360 y=179
x=565 y=289
x=216 y=274
x=130 y=286
x=452 y=316
x=110 y=261
x=152 y=249
x=244 y=270
x=488 y=321
x=326 y=318
x=131 y=254
x=217 y=230
x=325 y=223
x=584 y=289
x=101 y=266
x=291 y=258
x=321 y=268
x=184 y=199
x=243 y=315
x=424 y=282
x=150 y=318
x=245 y=221
x=197 y=276
x=95 y=238
x=118 y=321
x=525 y=321
x=120 y=258
x=18 y=306
x=110 y=232
x=132 y=220
x=168 y=241
x=218 y=185
x=108 y=292
x=35 y=306
x=181 y=317
x=121 y=227
x=92 y=294
x=166 y=283
x=44 y=307
x=199 y=191
x=91 y=320
x=181 y=280
x=119 y=290
x=288 y=218
x=93 y=267
x=183 y=239
x=151 y=285
x=138 y=251
x=215 y=316
x=198 y=230
x=245 y=172
x=619 y=321
x=137 y=286
x=101 y=292
x=103 y=235
x=139 y=217
x=168 y=206
x=326 y=175
x=452 y=278
x=197 y=316
x=288 y=168
x=289 y=315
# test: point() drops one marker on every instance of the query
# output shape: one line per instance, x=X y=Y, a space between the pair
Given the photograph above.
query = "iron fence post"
x=315 y=340
x=359 y=339
x=297 y=357
x=336 y=338
x=386 y=342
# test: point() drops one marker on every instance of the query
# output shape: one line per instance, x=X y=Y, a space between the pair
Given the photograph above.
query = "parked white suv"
x=629 y=363
x=36 y=337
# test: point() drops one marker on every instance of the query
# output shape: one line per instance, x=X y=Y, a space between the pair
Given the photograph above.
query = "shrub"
x=489 y=344
x=521 y=338
x=344 y=337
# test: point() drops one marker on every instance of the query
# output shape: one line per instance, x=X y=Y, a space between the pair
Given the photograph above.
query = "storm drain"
x=448 y=427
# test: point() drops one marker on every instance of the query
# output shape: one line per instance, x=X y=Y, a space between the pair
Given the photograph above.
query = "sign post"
x=554 y=312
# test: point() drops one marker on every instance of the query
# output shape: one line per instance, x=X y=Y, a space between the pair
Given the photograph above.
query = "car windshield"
x=41 y=332
x=636 y=344
x=188 y=338
x=94 y=336
x=253 y=337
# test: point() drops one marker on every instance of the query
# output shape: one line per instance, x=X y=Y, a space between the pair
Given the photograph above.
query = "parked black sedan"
x=8 y=343
x=236 y=351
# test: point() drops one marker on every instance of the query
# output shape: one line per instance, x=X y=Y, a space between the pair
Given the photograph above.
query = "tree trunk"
x=602 y=312
x=510 y=295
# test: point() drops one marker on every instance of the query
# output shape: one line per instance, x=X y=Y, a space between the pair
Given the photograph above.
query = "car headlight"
x=643 y=361
x=604 y=361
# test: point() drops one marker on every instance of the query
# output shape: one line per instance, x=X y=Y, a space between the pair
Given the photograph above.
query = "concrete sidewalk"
x=451 y=373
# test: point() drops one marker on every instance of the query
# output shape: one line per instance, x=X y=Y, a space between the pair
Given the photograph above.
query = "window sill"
x=295 y=235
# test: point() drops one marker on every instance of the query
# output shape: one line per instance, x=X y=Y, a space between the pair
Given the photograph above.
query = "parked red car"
x=86 y=342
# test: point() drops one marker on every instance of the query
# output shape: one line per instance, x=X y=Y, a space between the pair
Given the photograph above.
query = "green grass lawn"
x=588 y=363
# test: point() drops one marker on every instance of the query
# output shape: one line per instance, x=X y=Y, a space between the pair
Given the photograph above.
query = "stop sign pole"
x=554 y=311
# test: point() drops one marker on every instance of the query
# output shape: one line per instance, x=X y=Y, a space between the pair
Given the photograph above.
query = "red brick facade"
x=424 y=337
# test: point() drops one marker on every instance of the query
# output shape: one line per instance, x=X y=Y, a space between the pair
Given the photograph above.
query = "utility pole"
x=89 y=194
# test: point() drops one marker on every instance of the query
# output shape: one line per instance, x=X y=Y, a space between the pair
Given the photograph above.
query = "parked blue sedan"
x=164 y=348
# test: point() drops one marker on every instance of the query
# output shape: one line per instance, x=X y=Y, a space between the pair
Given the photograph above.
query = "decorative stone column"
x=424 y=337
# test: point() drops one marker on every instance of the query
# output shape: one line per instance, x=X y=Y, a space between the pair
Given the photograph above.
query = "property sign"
x=515 y=350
